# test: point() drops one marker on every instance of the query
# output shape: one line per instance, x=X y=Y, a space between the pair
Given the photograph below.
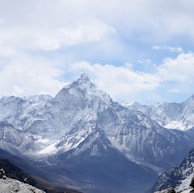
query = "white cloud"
x=174 y=75
x=119 y=82
x=160 y=19
x=90 y=30
x=180 y=69
x=175 y=90
x=168 y=48
x=49 y=28
x=50 y=24
x=24 y=77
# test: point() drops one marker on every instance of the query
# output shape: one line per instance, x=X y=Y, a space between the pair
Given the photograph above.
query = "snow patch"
x=185 y=183
x=50 y=149
x=175 y=125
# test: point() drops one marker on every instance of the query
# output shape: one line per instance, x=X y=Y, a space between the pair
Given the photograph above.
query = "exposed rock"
x=168 y=190
x=2 y=173
x=9 y=185
x=192 y=183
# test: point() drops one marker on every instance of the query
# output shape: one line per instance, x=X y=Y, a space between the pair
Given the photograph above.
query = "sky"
x=139 y=50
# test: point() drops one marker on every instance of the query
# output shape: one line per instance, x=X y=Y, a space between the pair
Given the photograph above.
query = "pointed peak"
x=84 y=76
x=84 y=82
x=80 y=86
x=83 y=79
x=83 y=87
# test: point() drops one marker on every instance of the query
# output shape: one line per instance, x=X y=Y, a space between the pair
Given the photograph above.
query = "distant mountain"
x=178 y=177
x=169 y=115
x=85 y=139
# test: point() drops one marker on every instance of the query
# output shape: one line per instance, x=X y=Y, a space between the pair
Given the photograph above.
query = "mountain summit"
x=83 y=82
x=84 y=89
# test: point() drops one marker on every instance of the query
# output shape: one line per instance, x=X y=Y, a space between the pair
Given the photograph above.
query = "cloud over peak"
x=45 y=44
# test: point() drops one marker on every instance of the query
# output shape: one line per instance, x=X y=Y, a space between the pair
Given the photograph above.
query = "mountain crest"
x=84 y=88
x=84 y=83
x=84 y=76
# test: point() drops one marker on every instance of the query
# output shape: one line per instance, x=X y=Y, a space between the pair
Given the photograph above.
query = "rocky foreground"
x=169 y=191
x=9 y=185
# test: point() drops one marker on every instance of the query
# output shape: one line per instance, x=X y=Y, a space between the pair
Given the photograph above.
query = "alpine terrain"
x=169 y=115
x=83 y=140
x=179 y=177
x=11 y=185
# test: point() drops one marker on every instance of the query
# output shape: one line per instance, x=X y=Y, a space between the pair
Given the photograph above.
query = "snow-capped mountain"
x=169 y=115
x=178 y=177
x=83 y=123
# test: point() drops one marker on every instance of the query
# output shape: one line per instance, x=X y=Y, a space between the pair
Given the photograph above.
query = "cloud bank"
x=140 y=50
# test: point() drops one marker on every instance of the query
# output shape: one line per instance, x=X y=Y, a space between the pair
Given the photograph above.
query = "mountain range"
x=169 y=115
x=82 y=139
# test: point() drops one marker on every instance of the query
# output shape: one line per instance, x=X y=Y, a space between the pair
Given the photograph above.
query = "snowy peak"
x=83 y=88
x=83 y=83
x=84 y=79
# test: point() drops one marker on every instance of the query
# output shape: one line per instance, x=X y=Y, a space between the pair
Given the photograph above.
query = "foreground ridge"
x=173 y=190
x=8 y=185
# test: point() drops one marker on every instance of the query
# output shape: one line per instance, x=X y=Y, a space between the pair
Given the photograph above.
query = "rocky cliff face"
x=178 y=177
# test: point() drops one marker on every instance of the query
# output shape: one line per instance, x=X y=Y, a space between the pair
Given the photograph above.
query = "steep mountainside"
x=178 y=177
x=15 y=168
x=83 y=123
x=152 y=144
x=97 y=167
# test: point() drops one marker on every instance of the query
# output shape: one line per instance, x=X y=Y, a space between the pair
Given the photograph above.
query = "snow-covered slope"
x=178 y=177
x=145 y=141
x=169 y=115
